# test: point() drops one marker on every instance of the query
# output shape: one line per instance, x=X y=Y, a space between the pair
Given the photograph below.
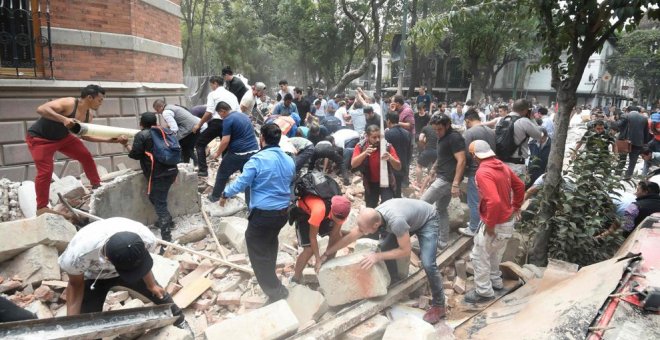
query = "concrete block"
x=512 y=248
x=44 y=293
x=371 y=329
x=512 y=271
x=117 y=297
x=459 y=285
x=34 y=265
x=458 y=213
x=69 y=186
x=12 y=132
x=410 y=328
x=366 y=244
x=232 y=229
x=16 y=154
x=342 y=279
x=164 y=269
x=15 y=173
x=270 y=322
x=167 y=333
x=538 y=272
x=229 y=298
x=309 y=276
x=232 y=206
x=126 y=196
x=135 y=303
x=253 y=301
x=400 y=311
x=306 y=304
x=40 y=309
x=461 y=269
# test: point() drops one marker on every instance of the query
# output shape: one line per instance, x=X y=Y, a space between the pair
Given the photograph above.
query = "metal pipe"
x=103 y=131
x=50 y=45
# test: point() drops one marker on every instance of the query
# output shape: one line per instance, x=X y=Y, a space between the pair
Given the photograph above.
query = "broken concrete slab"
x=167 y=333
x=410 y=328
x=371 y=329
x=232 y=230
x=70 y=188
x=33 y=265
x=227 y=283
x=232 y=206
x=309 y=276
x=164 y=269
x=117 y=297
x=461 y=268
x=126 y=196
x=229 y=298
x=135 y=303
x=270 y=322
x=342 y=279
x=513 y=271
x=40 y=309
x=44 y=294
x=366 y=244
x=306 y=304
x=48 y=229
x=538 y=272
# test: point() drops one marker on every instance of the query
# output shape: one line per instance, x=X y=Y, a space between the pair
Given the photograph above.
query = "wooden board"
x=363 y=310
x=190 y=293
x=201 y=271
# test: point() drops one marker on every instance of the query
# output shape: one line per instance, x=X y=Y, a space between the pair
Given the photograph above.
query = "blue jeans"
x=440 y=193
x=231 y=163
x=473 y=203
x=428 y=244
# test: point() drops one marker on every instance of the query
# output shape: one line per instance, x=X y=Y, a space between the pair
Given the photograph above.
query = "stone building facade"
x=132 y=48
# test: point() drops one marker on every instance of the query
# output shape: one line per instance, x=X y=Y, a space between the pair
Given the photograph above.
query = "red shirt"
x=496 y=182
x=374 y=161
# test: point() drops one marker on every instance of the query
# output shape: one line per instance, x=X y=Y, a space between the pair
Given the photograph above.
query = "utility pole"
x=402 y=55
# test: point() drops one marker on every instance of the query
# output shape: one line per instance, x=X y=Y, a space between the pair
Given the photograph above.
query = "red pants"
x=43 y=150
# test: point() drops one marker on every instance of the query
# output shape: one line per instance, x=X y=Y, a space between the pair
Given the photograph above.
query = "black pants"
x=632 y=158
x=188 y=148
x=332 y=153
x=93 y=298
x=10 y=312
x=373 y=191
x=303 y=157
x=213 y=130
x=261 y=237
x=397 y=190
x=160 y=187
x=231 y=163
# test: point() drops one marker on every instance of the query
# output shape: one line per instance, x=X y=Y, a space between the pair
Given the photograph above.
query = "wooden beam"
x=212 y=258
x=215 y=238
x=363 y=310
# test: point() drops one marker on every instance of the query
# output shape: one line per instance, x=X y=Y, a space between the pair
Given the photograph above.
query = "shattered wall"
x=126 y=196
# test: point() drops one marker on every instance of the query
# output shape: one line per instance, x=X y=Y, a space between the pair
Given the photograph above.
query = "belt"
x=245 y=153
x=269 y=213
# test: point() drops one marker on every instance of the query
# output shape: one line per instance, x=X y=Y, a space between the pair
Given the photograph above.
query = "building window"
x=20 y=39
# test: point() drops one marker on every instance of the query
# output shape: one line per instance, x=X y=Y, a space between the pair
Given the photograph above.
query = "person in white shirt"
x=341 y=113
x=108 y=253
x=214 y=129
x=284 y=89
x=249 y=99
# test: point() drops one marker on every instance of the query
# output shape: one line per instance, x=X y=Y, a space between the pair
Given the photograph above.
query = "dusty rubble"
x=218 y=299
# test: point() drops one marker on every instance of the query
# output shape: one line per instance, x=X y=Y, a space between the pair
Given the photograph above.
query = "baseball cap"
x=340 y=206
x=481 y=149
x=127 y=252
x=259 y=86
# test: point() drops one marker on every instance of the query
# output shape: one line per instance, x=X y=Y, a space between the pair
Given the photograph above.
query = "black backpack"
x=318 y=184
x=505 y=143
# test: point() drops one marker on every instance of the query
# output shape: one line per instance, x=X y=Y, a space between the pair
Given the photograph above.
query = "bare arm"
x=349 y=238
x=224 y=143
x=74 y=294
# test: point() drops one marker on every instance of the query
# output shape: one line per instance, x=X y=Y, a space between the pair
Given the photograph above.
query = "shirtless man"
x=50 y=133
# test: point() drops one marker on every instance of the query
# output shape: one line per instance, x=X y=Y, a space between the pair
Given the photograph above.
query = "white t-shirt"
x=340 y=114
x=320 y=112
x=83 y=254
x=248 y=101
x=343 y=135
x=221 y=95
x=377 y=109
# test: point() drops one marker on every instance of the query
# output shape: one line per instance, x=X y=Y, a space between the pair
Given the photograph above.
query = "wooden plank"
x=55 y=283
x=363 y=310
x=190 y=293
x=221 y=249
x=201 y=271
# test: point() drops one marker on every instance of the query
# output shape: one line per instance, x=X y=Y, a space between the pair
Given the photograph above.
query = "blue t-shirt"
x=239 y=127
x=426 y=99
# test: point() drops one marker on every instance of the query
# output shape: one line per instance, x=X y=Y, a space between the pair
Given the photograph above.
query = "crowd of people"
x=499 y=149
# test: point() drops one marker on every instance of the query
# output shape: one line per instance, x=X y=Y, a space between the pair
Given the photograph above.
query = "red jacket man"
x=501 y=194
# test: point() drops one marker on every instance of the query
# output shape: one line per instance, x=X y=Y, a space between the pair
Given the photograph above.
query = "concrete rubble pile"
x=218 y=301
x=9 y=205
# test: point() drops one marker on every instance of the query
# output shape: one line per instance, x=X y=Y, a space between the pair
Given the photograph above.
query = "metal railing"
x=21 y=48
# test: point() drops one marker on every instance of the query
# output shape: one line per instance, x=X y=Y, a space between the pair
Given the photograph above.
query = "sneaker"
x=442 y=245
x=498 y=286
x=467 y=232
x=473 y=297
x=434 y=314
x=212 y=198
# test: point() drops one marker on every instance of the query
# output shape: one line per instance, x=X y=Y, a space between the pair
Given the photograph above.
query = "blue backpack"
x=166 y=146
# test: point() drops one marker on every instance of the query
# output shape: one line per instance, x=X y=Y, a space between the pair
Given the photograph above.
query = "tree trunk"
x=414 y=67
x=538 y=254
x=202 y=60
